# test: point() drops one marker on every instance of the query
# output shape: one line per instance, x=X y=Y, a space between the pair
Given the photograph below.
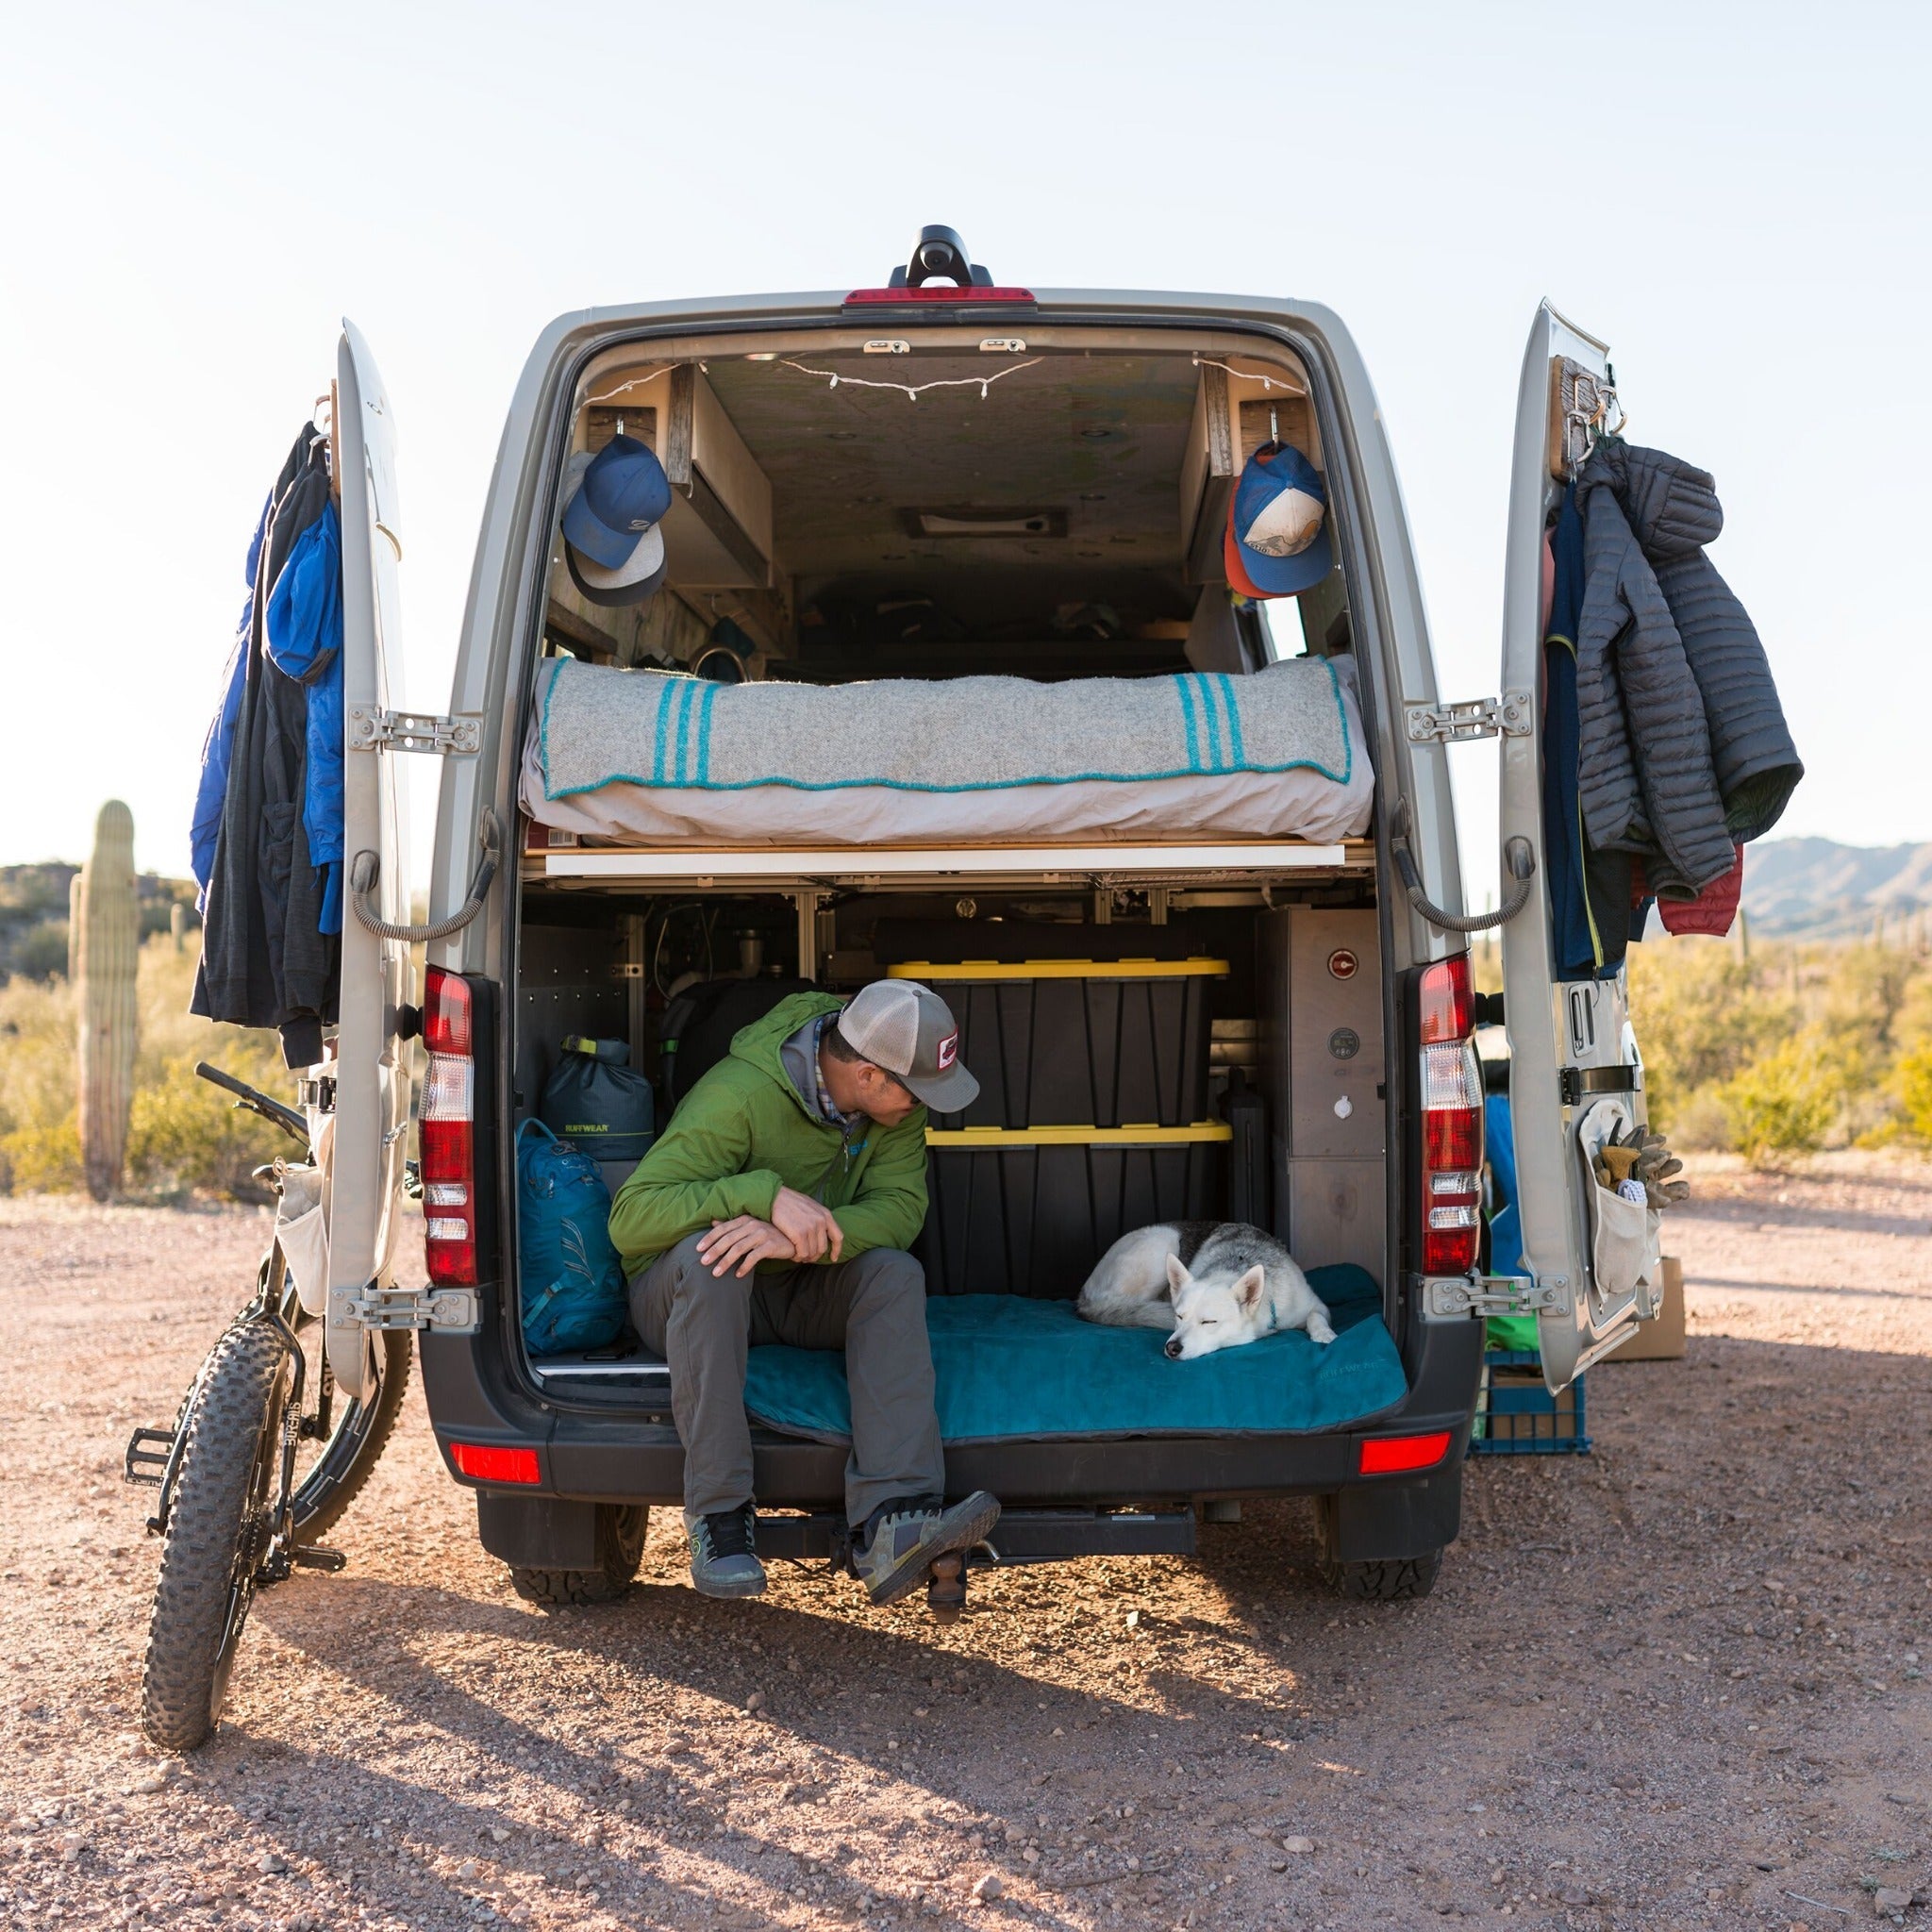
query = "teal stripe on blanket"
x=1007 y=1366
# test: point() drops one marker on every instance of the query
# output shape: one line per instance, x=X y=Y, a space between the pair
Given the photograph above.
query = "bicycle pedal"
x=148 y=1451
x=314 y=1557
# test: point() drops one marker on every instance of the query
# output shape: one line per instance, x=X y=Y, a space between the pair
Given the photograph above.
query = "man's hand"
x=744 y=1242
x=810 y=1225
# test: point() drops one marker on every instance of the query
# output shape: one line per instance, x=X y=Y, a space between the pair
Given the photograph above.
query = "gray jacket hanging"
x=1685 y=752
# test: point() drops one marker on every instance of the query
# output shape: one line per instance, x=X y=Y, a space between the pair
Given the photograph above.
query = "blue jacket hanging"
x=305 y=640
x=218 y=748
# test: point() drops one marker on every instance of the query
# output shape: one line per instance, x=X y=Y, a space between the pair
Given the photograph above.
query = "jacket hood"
x=759 y=1044
x=1671 y=508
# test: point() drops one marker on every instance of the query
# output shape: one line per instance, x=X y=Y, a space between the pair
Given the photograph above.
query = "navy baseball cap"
x=1277 y=526
x=625 y=494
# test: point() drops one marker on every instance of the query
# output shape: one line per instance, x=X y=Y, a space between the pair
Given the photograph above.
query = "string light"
x=636 y=382
x=913 y=390
x=1280 y=382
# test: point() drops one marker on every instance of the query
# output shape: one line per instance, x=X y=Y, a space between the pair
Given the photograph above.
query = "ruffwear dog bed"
x=1008 y=1365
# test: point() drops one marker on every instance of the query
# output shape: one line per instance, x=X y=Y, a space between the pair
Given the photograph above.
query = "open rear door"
x=1573 y=1065
x=364 y=1192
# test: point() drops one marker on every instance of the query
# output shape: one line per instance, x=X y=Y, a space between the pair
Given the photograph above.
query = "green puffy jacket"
x=743 y=1133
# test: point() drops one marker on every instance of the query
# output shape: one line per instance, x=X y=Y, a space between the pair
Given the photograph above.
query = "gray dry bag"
x=594 y=1103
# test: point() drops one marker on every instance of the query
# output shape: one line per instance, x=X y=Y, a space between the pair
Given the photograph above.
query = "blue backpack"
x=573 y=1282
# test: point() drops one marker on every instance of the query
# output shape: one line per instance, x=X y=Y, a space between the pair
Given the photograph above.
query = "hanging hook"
x=1273 y=426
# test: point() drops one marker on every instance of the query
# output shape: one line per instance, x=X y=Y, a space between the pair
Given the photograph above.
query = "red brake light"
x=1447 y=995
x=1452 y=1094
x=1387 y=1454
x=446 y=1009
x=937 y=293
x=484 y=1464
x=446 y=1124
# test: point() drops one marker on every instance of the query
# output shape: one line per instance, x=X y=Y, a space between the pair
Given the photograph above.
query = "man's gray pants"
x=874 y=1307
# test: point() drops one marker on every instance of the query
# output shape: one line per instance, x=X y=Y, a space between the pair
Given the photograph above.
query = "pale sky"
x=1736 y=198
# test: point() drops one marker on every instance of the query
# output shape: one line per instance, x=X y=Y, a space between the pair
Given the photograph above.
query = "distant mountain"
x=1814 y=888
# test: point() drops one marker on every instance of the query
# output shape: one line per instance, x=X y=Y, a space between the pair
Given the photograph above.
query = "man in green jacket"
x=778 y=1206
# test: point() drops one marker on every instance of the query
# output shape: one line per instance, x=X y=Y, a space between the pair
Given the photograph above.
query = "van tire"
x=218 y=1528
x=1390 y=1581
x=621 y=1528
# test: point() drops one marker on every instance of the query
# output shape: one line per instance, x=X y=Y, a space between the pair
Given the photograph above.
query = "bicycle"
x=243 y=1496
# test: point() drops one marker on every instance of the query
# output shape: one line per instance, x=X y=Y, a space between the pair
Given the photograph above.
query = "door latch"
x=1512 y=715
x=372 y=728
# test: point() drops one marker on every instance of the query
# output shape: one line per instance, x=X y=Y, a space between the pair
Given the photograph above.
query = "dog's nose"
x=1172 y=1348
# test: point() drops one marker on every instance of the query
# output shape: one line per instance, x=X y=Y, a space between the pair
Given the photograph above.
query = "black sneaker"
x=723 y=1560
x=898 y=1556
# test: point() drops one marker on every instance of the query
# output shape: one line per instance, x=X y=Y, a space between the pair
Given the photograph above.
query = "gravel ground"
x=1675 y=1683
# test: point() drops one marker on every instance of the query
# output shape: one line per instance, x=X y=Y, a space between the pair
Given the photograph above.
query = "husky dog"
x=1215 y=1283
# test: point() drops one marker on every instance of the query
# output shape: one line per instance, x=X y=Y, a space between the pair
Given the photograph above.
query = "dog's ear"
x=1249 y=1290
x=1177 y=1276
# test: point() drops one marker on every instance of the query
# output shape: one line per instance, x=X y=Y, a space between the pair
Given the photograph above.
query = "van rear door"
x=1571 y=1050
x=363 y=1197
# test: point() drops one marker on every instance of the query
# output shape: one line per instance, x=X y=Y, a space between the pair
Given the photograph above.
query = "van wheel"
x=1390 y=1581
x=621 y=1528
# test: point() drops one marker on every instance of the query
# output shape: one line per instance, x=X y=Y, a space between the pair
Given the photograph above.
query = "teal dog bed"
x=1007 y=1365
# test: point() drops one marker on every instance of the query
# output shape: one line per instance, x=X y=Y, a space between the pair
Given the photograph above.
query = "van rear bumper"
x=616 y=1458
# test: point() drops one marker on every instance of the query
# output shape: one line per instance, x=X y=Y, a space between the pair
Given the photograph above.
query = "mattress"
x=641 y=758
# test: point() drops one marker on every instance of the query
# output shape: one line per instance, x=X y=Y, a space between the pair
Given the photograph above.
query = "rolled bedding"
x=653 y=759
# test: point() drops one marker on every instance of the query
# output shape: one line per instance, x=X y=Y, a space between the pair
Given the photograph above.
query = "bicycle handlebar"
x=256 y=1101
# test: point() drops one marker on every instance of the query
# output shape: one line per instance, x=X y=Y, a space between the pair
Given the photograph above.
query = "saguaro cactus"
x=109 y=925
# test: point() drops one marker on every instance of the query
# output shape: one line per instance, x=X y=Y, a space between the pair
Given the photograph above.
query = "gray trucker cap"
x=909 y=1030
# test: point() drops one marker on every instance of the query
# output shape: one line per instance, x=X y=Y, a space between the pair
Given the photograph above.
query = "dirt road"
x=1677 y=1682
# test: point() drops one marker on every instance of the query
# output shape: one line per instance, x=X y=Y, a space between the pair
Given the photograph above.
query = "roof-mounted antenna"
x=939 y=254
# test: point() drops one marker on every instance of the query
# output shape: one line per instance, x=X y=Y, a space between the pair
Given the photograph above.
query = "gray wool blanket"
x=600 y=726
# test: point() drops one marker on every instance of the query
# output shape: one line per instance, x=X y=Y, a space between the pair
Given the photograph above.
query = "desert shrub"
x=1782 y=1103
x=41 y=951
x=1703 y=1014
x=184 y=1135
x=1911 y=1085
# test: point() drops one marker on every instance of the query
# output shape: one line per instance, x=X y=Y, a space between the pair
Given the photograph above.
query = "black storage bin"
x=1033 y=1218
x=1079 y=1043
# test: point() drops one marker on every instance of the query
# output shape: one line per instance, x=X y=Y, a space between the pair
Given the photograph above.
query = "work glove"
x=1635 y=1154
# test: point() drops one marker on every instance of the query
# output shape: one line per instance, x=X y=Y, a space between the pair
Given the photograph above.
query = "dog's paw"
x=1317 y=1327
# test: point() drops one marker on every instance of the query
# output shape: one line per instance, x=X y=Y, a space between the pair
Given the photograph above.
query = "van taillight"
x=447 y=1122
x=1451 y=1087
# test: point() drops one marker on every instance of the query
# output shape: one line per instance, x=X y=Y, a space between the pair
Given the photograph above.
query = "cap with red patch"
x=909 y=1030
x=1277 y=542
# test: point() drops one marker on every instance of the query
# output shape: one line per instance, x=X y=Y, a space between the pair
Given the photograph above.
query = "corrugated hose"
x=1519 y=861
x=366 y=868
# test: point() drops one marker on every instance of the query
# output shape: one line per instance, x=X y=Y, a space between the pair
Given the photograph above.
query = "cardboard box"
x=1661 y=1340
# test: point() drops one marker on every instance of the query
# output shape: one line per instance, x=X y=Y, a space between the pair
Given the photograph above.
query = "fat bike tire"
x=219 y=1525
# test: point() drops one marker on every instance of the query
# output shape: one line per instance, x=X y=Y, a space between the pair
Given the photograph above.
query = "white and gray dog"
x=1215 y=1283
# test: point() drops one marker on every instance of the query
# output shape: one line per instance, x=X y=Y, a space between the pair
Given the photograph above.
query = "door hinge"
x=1508 y=716
x=1573 y=1083
x=449 y=1310
x=1495 y=1295
x=371 y=728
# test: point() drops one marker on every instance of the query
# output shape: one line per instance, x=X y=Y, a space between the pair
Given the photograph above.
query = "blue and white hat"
x=612 y=504
x=1277 y=526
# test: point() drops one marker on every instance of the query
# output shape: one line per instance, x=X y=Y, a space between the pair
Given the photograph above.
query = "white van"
x=930 y=478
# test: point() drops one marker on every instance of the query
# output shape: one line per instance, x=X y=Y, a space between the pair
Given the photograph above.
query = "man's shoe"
x=906 y=1536
x=723 y=1561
